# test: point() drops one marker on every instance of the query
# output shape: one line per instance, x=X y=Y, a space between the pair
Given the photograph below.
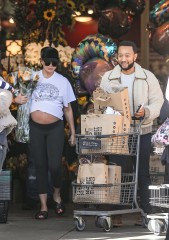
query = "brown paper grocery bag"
x=91 y=174
x=102 y=124
x=119 y=101
x=114 y=178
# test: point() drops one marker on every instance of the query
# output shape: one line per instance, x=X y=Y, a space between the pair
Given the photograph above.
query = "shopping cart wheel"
x=80 y=223
x=156 y=226
x=144 y=221
x=103 y=222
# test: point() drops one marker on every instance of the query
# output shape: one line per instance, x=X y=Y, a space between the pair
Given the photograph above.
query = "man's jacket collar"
x=139 y=72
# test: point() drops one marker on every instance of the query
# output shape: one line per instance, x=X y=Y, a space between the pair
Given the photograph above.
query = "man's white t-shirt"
x=127 y=81
x=51 y=94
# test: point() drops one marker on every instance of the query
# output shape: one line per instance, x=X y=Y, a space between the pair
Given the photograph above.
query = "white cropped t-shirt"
x=51 y=94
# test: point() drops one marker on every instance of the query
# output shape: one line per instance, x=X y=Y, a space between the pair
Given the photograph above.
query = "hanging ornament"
x=91 y=59
x=91 y=73
x=136 y=6
x=100 y=5
x=114 y=22
x=160 y=13
x=121 y=3
x=160 y=39
x=95 y=45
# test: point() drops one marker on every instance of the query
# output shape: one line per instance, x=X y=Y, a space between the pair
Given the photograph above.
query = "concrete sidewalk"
x=22 y=225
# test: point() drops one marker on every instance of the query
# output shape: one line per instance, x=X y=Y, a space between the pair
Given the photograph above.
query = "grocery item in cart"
x=92 y=173
x=88 y=175
x=114 y=178
x=98 y=182
x=103 y=124
x=118 y=100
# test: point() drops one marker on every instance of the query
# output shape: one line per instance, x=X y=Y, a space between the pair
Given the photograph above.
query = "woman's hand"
x=20 y=99
x=72 y=140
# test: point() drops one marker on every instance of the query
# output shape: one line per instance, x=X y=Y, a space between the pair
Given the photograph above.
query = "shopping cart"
x=5 y=186
x=157 y=178
x=158 y=149
x=5 y=194
x=99 y=206
x=159 y=198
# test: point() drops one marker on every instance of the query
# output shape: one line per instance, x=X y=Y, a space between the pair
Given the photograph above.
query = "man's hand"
x=140 y=113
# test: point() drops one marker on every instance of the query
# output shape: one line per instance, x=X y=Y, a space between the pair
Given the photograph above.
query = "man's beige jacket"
x=146 y=89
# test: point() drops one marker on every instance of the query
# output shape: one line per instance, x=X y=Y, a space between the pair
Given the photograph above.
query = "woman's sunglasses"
x=49 y=61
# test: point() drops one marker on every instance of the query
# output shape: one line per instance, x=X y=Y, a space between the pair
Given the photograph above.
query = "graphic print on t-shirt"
x=45 y=92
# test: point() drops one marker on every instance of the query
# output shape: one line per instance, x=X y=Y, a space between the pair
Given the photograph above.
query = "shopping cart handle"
x=140 y=118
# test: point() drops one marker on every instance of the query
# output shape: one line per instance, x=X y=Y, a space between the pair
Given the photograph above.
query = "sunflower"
x=49 y=14
x=71 y=4
x=82 y=100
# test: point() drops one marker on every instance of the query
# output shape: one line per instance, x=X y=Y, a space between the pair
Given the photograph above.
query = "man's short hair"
x=128 y=44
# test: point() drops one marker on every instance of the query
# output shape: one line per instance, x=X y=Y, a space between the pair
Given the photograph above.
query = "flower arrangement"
x=23 y=81
x=32 y=54
x=39 y=20
x=65 y=54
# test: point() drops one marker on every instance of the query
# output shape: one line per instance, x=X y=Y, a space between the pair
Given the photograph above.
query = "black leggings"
x=46 y=146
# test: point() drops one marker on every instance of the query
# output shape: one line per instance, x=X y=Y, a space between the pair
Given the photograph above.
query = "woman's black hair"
x=128 y=44
x=49 y=53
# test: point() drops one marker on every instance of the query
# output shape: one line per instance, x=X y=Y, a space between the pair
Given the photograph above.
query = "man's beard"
x=127 y=68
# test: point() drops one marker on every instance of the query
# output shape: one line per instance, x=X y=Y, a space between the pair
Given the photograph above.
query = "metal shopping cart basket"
x=99 y=206
x=159 y=198
x=5 y=186
x=5 y=194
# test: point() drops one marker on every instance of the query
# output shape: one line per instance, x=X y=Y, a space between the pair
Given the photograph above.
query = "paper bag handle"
x=102 y=99
x=88 y=161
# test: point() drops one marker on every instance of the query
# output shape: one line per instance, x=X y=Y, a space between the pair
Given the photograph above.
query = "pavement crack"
x=64 y=235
